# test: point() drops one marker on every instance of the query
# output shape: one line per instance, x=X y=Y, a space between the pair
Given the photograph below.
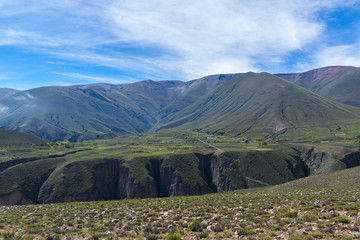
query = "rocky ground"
x=302 y=214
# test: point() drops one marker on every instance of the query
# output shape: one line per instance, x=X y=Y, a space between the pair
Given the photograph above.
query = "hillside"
x=90 y=176
x=341 y=84
x=260 y=104
x=56 y=113
x=12 y=138
x=189 y=92
x=255 y=214
x=94 y=111
x=339 y=179
x=6 y=92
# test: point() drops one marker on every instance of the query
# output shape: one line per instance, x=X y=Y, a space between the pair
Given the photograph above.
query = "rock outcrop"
x=147 y=177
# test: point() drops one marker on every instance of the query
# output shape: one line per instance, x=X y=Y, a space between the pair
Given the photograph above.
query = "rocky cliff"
x=62 y=180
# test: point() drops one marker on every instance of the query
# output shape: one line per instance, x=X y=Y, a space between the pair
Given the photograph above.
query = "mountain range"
x=258 y=104
x=267 y=109
x=338 y=83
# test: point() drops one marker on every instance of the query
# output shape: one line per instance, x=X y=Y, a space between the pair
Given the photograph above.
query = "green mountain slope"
x=338 y=83
x=57 y=113
x=256 y=104
x=11 y=138
x=189 y=92
x=99 y=110
x=260 y=103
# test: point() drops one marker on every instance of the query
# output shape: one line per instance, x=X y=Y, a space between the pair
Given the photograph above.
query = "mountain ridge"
x=339 y=83
x=274 y=103
x=101 y=110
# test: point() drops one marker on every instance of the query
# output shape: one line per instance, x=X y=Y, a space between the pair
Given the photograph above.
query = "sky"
x=66 y=42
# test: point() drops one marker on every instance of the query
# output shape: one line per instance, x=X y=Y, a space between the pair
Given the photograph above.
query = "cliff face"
x=319 y=161
x=352 y=159
x=174 y=175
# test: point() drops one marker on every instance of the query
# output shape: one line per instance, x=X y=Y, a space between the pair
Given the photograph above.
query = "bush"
x=152 y=237
x=341 y=219
x=195 y=226
x=217 y=228
x=310 y=217
x=203 y=235
x=291 y=214
x=173 y=236
x=8 y=235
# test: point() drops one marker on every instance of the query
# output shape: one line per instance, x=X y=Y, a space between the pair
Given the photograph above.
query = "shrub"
x=310 y=217
x=152 y=237
x=217 y=228
x=173 y=236
x=203 y=235
x=341 y=219
x=8 y=234
x=195 y=226
x=246 y=231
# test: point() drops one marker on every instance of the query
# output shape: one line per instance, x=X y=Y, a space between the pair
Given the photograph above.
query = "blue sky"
x=64 y=42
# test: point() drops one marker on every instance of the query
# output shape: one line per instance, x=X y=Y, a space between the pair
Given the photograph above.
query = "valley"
x=162 y=165
x=267 y=156
x=170 y=138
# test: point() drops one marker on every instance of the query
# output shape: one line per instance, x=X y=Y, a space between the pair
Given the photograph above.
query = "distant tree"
x=66 y=144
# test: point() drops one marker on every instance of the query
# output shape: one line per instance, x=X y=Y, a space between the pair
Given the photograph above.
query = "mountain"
x=262 y=103
x=341 y=84
x=189 y=92
x=93 y=111
x=12 y=138
x=259 y=104
x=57 y=113
x=6 y=92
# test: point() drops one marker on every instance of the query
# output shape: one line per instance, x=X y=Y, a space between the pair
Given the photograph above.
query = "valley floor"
x=247 y=214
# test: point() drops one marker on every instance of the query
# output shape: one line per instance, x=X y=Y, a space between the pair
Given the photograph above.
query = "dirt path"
x=257 y=181
x=217 y=149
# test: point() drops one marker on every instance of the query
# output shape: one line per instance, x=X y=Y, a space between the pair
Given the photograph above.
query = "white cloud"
x=345 y=55
x=92 y=78
x=3 y=108
x=216 y=36
x=21 y=37
x=19 y=98
x=24 y=97
x=189 y=38
x=28 y=95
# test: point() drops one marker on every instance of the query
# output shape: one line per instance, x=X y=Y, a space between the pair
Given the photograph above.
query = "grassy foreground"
x=301 y=214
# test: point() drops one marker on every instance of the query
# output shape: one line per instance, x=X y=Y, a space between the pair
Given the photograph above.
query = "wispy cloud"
x=92 y=78
x=183 y=39
x=3 y=108
x=23 y=97
x=346 y=55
